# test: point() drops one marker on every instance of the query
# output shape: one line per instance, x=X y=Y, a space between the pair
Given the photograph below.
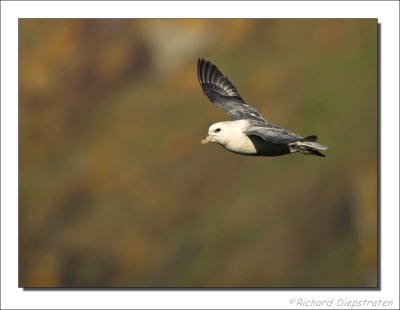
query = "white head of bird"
x=230 y=135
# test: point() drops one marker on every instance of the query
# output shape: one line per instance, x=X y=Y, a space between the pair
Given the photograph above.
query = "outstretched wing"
x=273 y=135
x=223 y=94
x=277 y=135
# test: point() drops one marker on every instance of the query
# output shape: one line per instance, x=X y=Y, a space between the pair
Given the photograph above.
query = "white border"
x=14 y=298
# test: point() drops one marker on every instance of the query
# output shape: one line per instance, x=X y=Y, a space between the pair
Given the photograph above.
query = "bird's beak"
x=206 y=140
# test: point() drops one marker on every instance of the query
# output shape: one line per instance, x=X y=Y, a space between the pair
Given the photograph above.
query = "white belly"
x=242 y=145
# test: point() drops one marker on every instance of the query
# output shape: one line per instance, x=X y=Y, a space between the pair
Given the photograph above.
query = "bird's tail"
x=308 y=146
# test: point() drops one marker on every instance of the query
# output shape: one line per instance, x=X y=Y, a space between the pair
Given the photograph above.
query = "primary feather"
x=223 y=94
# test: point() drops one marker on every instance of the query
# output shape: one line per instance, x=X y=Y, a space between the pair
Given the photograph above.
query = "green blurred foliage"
x=115 y=189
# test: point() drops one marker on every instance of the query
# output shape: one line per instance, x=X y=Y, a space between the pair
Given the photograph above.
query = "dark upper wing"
x=273 y=134
x=223 y=94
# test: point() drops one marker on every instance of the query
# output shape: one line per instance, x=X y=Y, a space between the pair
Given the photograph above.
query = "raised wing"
x=223 y=94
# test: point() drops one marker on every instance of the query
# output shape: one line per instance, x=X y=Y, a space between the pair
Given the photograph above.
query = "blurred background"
x=115 y=189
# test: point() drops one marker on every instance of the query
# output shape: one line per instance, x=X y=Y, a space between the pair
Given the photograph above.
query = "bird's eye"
x=217 y=130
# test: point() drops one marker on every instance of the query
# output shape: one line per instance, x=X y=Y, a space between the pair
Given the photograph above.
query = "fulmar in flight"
x=248 y=133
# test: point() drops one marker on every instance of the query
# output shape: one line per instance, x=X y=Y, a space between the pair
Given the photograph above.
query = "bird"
x=248 y=132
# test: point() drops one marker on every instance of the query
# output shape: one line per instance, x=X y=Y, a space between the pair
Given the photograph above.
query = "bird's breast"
x=241 y=145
